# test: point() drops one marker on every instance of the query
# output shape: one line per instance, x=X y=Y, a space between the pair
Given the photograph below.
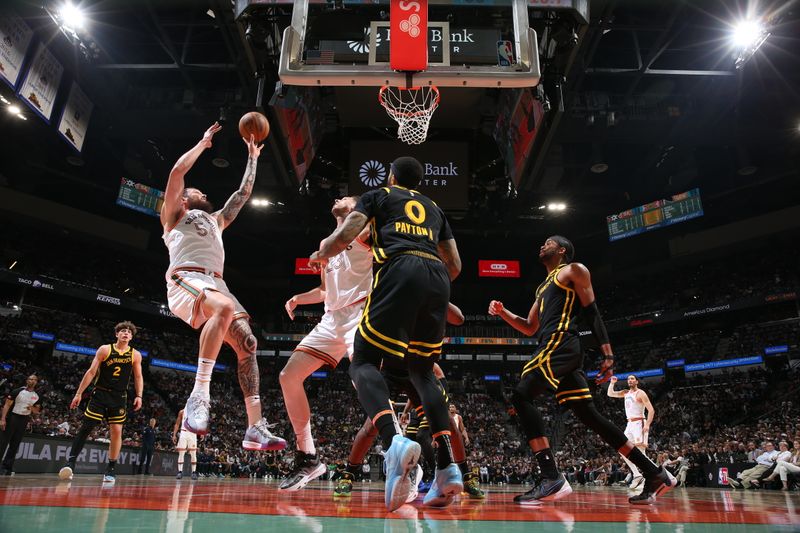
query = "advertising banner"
x=493 y=268
x=445 y=164
x=301 y=267
x=38 y=454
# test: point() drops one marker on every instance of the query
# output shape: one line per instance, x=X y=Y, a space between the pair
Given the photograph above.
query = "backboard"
x=505 y=55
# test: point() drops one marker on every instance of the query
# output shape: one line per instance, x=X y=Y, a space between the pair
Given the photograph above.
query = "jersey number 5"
x=415 y=212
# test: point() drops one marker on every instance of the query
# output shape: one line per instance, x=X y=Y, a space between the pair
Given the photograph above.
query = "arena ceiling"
x=650 y=91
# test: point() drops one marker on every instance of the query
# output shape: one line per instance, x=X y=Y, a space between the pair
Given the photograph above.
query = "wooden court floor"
x=136 y=503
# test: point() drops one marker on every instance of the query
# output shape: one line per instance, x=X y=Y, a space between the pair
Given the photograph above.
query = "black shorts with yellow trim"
x=407 y=309
x=109 y=406
x=558 y=367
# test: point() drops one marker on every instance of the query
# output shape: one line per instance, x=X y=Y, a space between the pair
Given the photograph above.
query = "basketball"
x=254 y=123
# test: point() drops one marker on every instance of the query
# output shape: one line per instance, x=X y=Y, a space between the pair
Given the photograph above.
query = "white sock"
x=202 y=380
x=305 y=442
x=253 y=406
x=634 y=470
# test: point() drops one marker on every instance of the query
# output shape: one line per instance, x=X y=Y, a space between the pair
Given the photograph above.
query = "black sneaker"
x=194 y=475
x=655 y=485
x=179 y=475
x=306 y=468
x=545 y=490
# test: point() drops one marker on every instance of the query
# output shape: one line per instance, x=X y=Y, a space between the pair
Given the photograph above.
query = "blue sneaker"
x=400 y=459
x=446 y=485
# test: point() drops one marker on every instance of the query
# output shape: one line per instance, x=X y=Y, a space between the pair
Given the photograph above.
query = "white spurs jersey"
x=195 y=241
x=348 y=276
x=633 y=408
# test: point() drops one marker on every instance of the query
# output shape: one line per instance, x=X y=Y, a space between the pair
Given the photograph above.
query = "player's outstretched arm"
x=237 y=200
x=614 y=393
x=340 y=239
x=527 y=326
x=314 y=296
x=100 y=356
x=171 y=209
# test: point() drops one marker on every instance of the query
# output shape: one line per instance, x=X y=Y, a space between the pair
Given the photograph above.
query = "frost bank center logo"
x=372 y=173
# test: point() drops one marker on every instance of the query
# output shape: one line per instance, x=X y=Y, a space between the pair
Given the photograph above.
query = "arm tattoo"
x=240 y=197
x=342 y=237
x=245 y=346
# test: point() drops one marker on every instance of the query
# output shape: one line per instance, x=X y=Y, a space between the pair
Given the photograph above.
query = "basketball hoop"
x=412 y=109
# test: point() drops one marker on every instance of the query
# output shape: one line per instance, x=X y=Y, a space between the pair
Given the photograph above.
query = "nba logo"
x=505 y=54
x=723 y=476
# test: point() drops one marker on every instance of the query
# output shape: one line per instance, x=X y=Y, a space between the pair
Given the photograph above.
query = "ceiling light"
x=220 y=162
x=12 y=265
x=14 y=109
x=551 y=207
x=748 y=36
x=561 y=207
x=747 y=32
x=210 y=13
x=599 y=168
x=3 y=99
x=542 y=206
x=20 y=115
x=72 y=18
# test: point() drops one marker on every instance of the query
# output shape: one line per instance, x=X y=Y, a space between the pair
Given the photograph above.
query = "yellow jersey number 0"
x=415 y=212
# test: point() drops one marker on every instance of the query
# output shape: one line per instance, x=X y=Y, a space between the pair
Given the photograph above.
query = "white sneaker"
x=259 y=437
x=307 y=468
x=416 y=477
x=636 y=483
x=65 y=473
x=197 y=414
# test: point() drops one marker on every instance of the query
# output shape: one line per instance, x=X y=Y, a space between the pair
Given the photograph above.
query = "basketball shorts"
x=187 y=441
x=108 y=406
x=332 y=339
x=557 y=366
x=406 y=311
x=186 y=291
x=635 y=432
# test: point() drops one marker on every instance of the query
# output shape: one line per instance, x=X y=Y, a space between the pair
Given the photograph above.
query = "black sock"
x=444 y=451
x=547 y=463
x=80 y=439
x=111 y=466
x=648 y=467
x=386 y=429
x=463 y=467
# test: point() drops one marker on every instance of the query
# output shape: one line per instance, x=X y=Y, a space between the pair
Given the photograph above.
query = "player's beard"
x=547 y=255
x=202 y=205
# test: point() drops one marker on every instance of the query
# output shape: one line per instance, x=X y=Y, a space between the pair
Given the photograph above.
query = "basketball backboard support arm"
x=523 y=73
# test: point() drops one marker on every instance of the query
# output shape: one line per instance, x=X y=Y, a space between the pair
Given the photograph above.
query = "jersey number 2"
x=117 y=370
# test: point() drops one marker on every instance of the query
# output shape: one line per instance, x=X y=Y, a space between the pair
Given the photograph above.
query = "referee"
x=16 y=411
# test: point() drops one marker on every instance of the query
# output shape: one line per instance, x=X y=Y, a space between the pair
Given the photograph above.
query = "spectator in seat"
x=764 y=462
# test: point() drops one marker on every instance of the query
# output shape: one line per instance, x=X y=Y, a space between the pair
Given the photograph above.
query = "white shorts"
x=635 y=433
x=332 y=338
x=186 y=291
x=187 y=441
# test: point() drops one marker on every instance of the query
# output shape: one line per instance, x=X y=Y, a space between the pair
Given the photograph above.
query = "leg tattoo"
x=244 y=343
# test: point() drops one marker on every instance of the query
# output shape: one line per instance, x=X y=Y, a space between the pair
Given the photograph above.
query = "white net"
x=412 y=109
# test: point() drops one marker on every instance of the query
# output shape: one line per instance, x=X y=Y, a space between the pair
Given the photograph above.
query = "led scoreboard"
x=140 y=197
x=658 y=214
